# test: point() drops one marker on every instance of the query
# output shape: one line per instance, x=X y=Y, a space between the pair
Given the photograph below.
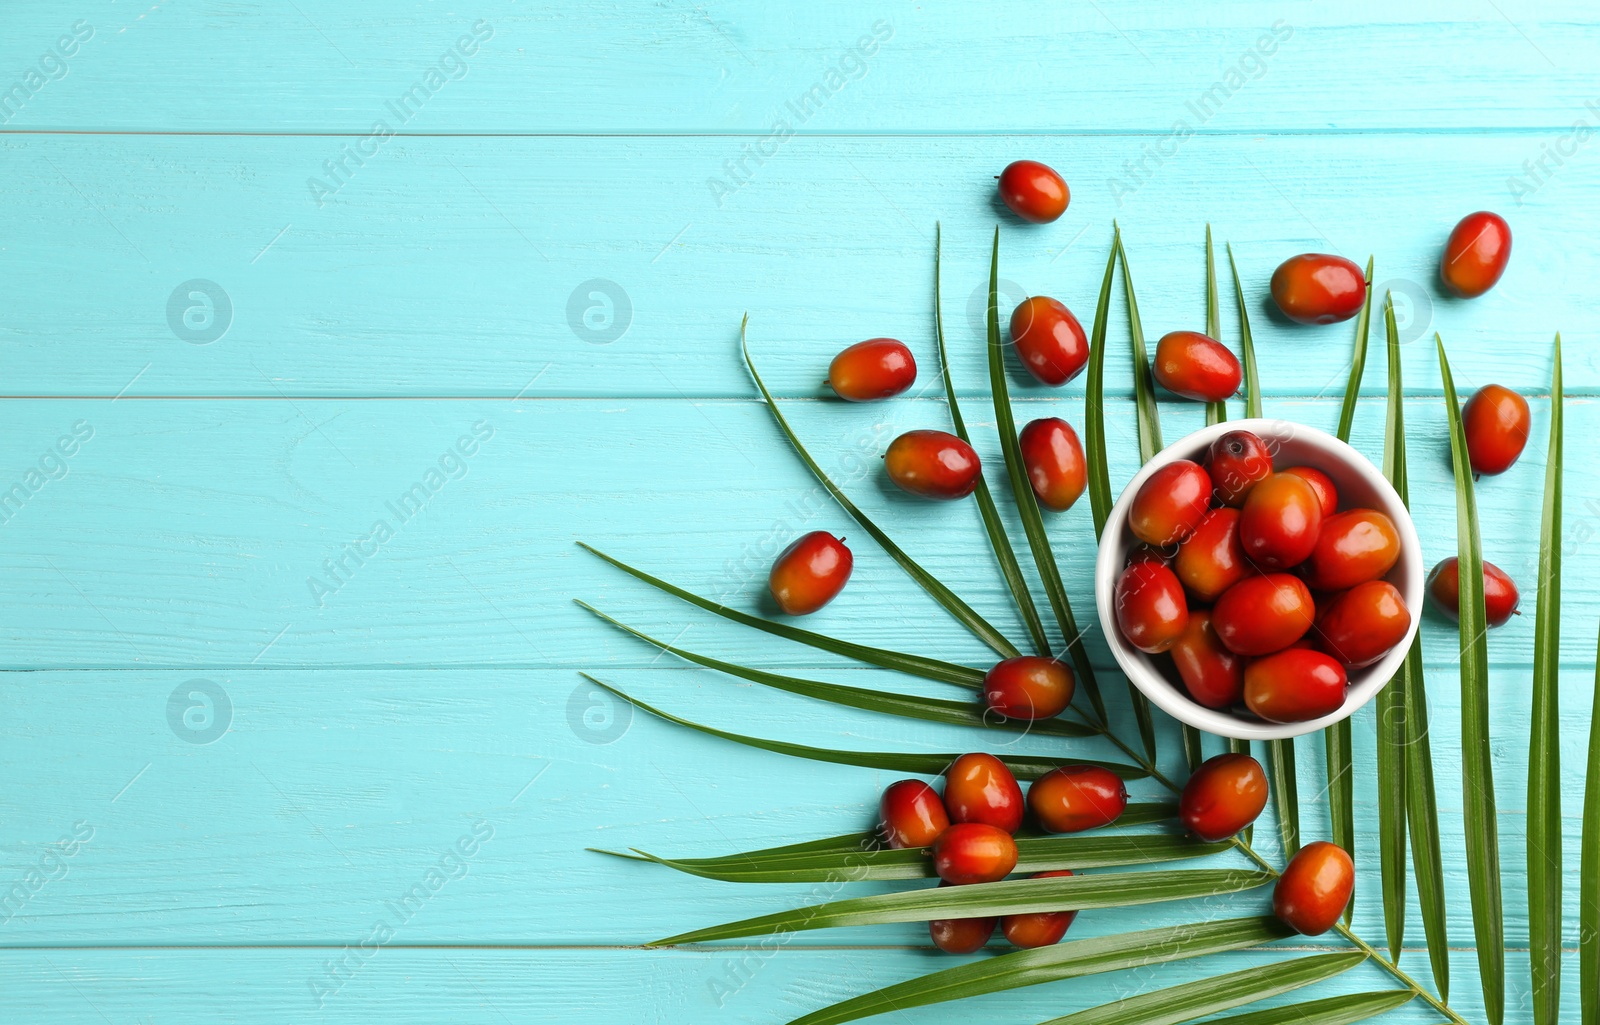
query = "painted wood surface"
x=512 y=325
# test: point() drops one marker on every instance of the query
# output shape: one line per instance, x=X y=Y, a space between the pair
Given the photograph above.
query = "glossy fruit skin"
x=1151 y=608
x=877 y=368
x=1294 y=685
x=961 y=935
x=979 y=788
x=1170 y=503
x=911 y=814
x=1264 y=614
x=1224 y=795
x=1236 y=462
x=1476 y=254
x=1360 y=626
x=1280 y=521
x=972 y=852
x=1496 y=422
x=1077 y=797
x=1212 y=559
x=933 y=464
x=810 y=573
x=1034 y=191
x=1213 y=675
x=1322 y=484
x=1500 y=596
x=1354 y=547
x=1314 y=888
x=1315 y=288
x=1038 y=928
x=1028 y=687
x=1053 y=456
x=1196 y=366
x=1049 y=340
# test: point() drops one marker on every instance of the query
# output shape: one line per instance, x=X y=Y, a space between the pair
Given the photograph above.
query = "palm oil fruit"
x=1280 y=521
x=1077 y=797
x=961 y=935
x=1264 y=614
x=878 y=368
x=1224 y=795
x=1038 y=928
x=1496 y=423
x=810 y=573
x=1049 y=340
x=1476 y=254
x=979 y=788
x=1196 y=366
x=1500 y=597
x=1028 y=687
x=1236 y=462
x=972 y=852
x=1053 y=457
x=1151 y=609
x=1322 y=484
x=1170 y=503
x=1294 y=685
x=1314 y=288
x=1354 y=547
x=1034 y=191
x=933 y=464
x=1213 y=675
x=1359 y=626
x=1212 y=560
x=911 y=814
x=1314 y=888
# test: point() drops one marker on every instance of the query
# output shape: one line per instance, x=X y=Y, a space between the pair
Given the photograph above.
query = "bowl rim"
x=1137 y=665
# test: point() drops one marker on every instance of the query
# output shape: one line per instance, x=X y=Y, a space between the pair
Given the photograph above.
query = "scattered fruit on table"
x=1213 y=675
x=1077 y=797
x=1224 y=795
x=973 y=852
x=1034 y=191
x=1353 y=548
x=1500 y=595
x=1476 y=254
x=810 y=573
x=911 y=814
x=1280 y=522
x=1294 y=685
x=1496 y=422
x=933 y=464
x=1049 y=340
x=1314 y=888
x=978 y=788
x=1151 y=609
x=1038 y=928
x=877 y=368
x=1196 y=366
x=1054 y=460
x=1236 y=462
x=1263 y=614
x=1314 y=288
x=961 y=935
x=1171 y=503
x=1359 y=626
x=1028 y=687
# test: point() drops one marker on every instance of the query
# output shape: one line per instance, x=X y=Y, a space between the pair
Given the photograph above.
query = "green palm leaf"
x=1094 y=420
x=1286 y=793
x=1339 y=1010
x=1589 y=872
x=1216 y=412
x=1390 y=703
x=1252 y=382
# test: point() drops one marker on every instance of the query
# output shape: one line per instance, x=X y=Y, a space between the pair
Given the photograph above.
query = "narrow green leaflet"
x=1021 y=766
x=1216 y=412
x=1094 y=419
x=1358 y=362
x=1589 y=873
x=908 y=706
x=1252 y=382
x=1477 y=768
x=964 y=613
x=1221 y=993
x=1544 y=743
x=1069 y=960
x=992 y=524
x=1286 y=791
x=1144 y=397
x=1339 y=1010
x=1027 y=503
x=1193 y=752
x=916 y=665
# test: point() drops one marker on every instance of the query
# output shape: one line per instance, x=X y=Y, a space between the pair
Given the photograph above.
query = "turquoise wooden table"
x=328 y=329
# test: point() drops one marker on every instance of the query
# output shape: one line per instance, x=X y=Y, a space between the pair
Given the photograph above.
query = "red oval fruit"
x=1147 y=553
x=933 y=464
x=1294 y=685
x=1049 y=340
x=972 y=852
x=877 y=368
x=1038 y=928
x=1212 y=560
x=1213 y=675
x=1279 y=524
x=1196 y=366
x=1500 y=597
x=960 y=935
x=1151 y=608
x=1496 y=422
x=1170 y=503
x=1353 y=547
x=1236 y=462
x=911 y=814
x=1260 y=615
x=1034 y=191
x=1054 y=459
x=979 y=788
x=1322 y=484
x=810 y=573
x=1476 y=255
x=1077 y=797
x=1028 y=687
x=1314 y=288
x=1362 y=624
x=1224 y=795
x=1314 y=888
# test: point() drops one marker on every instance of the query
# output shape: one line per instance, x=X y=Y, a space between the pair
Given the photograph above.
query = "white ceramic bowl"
x=1360 y=485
